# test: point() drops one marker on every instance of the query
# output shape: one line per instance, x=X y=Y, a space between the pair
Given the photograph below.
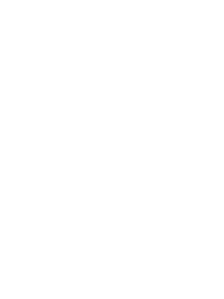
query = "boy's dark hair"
x=143 y=93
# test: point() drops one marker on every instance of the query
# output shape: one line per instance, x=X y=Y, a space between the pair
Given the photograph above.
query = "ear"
x=146 y=146
x=46 y=134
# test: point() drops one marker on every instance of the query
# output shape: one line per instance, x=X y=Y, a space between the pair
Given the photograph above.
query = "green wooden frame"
x=49 y=259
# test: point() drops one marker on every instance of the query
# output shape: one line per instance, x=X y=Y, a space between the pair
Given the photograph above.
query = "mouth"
x=96 y=178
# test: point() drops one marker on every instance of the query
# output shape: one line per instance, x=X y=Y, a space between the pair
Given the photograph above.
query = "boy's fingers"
x=64 y=43
x=191 y=246
x=36 y=41
x=77 y=43
x=203 y=241
x=50 y=43
x=179 y=243
x=151 y=235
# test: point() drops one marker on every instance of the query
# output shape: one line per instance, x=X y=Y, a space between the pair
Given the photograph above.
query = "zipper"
x=91 y=225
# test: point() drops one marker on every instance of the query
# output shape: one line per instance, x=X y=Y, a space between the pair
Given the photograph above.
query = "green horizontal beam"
x=128 y=63
x=102 y=259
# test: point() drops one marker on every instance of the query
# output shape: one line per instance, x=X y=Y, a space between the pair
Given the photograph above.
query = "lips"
x=96 y=178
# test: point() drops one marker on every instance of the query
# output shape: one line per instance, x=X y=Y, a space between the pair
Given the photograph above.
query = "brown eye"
x=81 y=133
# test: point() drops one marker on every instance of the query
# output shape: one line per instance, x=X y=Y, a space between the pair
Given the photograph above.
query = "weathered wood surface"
x=102 y=259
x=128 y=63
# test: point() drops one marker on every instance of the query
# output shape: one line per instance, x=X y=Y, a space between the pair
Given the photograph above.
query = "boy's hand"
x=58 y=44
x=177 y=241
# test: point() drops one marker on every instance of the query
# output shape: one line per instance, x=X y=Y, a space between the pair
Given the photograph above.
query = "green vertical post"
x=218 y=175
x=13 y=38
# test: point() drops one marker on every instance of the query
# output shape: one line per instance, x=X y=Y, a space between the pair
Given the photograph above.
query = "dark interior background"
x=158 y=162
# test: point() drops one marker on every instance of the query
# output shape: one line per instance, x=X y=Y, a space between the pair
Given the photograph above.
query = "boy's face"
x=97 y=144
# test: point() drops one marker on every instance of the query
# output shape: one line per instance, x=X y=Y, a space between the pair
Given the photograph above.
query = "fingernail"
x=184 y=260
x=155 y=237
x=56 y=52
x=199 y=250
x=77 y=48
x=65 y=55
x=174 y=262
x=163 y=257
x=40 y=43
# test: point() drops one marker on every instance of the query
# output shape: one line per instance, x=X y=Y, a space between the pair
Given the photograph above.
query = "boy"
x=82 y=185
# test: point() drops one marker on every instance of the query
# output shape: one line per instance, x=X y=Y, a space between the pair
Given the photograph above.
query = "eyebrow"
x=87 y=126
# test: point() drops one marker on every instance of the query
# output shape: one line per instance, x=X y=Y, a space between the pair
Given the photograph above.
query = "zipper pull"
x=91 y=231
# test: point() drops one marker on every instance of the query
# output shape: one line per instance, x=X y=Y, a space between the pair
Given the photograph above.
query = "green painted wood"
x=218 y=175
x=100 y=259
x=12 y=87
x=192 y=127
x=128 y=63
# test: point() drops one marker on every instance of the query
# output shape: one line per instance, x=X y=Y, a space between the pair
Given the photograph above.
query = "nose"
x=100 y=154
